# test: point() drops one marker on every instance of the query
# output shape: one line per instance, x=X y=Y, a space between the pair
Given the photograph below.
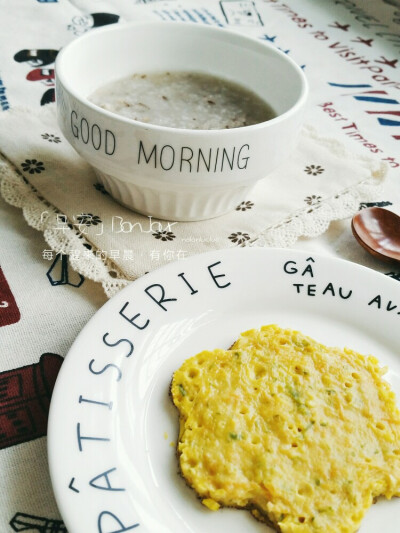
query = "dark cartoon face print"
x=48 y=97
x=36 y=58
x=82 y=23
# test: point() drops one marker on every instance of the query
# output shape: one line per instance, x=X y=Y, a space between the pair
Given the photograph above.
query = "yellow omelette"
x=303 y=435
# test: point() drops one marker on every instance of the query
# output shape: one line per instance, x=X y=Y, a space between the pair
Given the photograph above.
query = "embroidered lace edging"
x=314 y=220
x=44 y=217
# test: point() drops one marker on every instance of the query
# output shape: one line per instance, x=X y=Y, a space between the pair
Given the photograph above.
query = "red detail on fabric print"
x=46 y=75
x=25 y=395
x=9 y=312
x=368 y=42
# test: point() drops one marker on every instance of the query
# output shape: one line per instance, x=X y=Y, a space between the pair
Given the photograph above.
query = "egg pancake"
x=303 y=435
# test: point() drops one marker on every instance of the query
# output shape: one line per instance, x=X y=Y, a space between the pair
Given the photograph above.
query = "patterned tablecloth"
x=350 y=52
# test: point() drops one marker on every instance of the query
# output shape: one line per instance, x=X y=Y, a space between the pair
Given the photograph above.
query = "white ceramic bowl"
x=157 y=170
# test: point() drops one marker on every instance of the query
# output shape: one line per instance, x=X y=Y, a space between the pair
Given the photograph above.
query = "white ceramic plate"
x=112 y=426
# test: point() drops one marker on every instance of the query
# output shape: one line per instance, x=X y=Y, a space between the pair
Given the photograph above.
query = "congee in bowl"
x=178 y=120
x=190 y=100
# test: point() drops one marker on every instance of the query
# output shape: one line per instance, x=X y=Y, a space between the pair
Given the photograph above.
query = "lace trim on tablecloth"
x=44 y=217
x=311 y=221
x=314 y=220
